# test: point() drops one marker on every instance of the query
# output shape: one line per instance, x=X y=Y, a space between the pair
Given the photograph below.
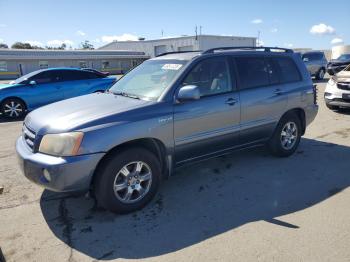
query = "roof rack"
x=177 y=52
x=265 y=48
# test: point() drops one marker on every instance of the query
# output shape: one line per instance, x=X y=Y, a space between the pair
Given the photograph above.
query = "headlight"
x=331 y=82
x=65 y=144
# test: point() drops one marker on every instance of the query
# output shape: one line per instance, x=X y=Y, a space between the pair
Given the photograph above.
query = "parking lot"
x=247 y=206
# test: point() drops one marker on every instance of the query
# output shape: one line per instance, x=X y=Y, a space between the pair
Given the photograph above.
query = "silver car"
x=316 y=63
x=169 y=111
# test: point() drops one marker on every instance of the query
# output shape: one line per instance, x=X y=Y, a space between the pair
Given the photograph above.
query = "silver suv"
x=171 y=110
x=316 y=63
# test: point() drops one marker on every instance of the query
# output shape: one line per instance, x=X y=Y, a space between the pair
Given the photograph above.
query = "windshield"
x=25 y=77
x=149 y=79
x=344 y=57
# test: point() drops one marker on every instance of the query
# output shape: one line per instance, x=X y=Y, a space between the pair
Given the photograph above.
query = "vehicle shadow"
x=7 y=120
x=324 y=80
x=202 y=201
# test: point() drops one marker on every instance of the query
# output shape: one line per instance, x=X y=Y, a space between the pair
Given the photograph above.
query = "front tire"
x=286 y=137
x=13 y=108
x=126 y=181
x=320 y=74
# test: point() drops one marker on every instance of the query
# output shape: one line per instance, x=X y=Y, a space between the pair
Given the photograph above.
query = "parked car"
x=316 y=63
x=337 y=93
x=336 y=65
x=171 y=110
x=46 y=86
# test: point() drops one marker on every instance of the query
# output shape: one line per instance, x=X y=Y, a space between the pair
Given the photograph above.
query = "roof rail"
x=177 y=52
x=265 y=48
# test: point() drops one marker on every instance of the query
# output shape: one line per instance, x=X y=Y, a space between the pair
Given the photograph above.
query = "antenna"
x=162 y=33
x=258 y=38
x=195 y=30
x=200 y=30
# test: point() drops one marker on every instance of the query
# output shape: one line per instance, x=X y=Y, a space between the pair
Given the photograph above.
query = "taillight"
x=314 y=89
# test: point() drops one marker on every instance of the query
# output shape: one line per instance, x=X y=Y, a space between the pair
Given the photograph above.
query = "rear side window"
x=72 y=75
x=252 y=71
x=288 y=70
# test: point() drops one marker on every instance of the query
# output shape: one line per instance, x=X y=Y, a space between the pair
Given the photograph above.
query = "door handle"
x=231 y=101
x=278 y=92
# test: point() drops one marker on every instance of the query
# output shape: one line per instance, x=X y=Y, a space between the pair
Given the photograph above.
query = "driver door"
x=209 y=125
x=47 y=88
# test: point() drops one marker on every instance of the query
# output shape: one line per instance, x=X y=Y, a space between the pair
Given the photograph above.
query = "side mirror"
x=305 y=59
x=32 y=83
x=188 y=93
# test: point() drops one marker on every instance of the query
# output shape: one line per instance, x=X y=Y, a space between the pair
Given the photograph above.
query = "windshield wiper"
x=119 y=93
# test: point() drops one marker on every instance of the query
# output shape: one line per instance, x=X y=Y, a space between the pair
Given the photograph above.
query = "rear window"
x=313 y=56
x=252 y=71
x=288 y=70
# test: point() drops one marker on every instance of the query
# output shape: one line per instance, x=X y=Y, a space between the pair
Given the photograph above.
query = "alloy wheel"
x=13 y=109
x=132 y=182
x=289 y=135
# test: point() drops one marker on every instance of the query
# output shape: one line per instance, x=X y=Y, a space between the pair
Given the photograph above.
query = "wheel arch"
x=15 y=97
x=152 y=144
x=301 y=115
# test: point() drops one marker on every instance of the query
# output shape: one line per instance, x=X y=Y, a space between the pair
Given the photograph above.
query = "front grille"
x=29 y=137
x=343 y=85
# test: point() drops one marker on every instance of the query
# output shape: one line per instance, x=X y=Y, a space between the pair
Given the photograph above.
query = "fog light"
x=47 y=175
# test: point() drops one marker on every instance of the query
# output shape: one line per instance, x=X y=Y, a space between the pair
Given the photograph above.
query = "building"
x=18 y=62
x=184 y=43
x=339 y=50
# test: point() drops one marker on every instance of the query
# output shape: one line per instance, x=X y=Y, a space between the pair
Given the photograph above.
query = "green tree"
x=3 y=46
x=20 y=45
x=87 y=45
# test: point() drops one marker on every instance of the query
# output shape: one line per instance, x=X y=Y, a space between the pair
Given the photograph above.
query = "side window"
x=43 y=77
x=211 y=76
x=288 y=70
x=252 y=71
x=272 y=70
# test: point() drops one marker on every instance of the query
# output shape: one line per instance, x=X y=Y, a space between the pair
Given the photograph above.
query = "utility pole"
x=162 y=33
x=200 y=30
x=195 y=30
x=258 y=44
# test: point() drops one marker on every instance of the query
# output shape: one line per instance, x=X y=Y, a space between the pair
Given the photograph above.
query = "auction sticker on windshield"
x=171 y=66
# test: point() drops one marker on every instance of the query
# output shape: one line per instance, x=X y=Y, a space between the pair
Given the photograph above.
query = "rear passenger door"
x=263 y=98
x=211 y=124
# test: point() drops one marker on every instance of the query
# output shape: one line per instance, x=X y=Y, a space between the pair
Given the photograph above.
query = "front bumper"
x=67 y=174
x=334 y=96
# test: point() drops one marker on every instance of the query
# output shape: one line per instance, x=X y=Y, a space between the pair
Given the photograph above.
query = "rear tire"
x=286 y=137
x=12 y=108
x=127 y=180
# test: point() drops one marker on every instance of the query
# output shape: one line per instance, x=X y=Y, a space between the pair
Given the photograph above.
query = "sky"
x=295 y=24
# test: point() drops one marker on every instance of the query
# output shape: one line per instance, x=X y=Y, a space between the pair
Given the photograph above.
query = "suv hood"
x=67 y=114
x=343 y=76
x=339 y=62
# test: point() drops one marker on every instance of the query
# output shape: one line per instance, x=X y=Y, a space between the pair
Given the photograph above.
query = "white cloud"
x=1 y=40
x=59 y=42
x=273 y=30
x=3 y=25
x=123 y=37
x=81 y=33
x=259 y=43
x=322 y=29
x=33 y=42
x=257 y=21
x=337 y=41
x=289 y=45
x=97 y=40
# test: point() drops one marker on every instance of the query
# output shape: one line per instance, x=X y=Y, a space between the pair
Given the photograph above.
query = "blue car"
x=46 y=86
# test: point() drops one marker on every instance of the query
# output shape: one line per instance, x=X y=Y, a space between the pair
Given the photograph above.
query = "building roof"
x=15 y=54
x=179 y=38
